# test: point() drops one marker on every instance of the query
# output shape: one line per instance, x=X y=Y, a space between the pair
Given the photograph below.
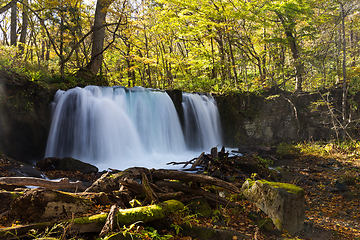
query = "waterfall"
x=202 y=121
x=118 y=127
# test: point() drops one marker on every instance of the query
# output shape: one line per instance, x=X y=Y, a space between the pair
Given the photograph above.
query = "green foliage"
x=262 y=162
x=286 y=150
x=184 y=216
x=222 y=46
x=351 y=177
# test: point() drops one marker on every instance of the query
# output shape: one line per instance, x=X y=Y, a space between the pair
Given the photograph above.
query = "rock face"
x=24 y=117
x=274 y=117
x=283 y=203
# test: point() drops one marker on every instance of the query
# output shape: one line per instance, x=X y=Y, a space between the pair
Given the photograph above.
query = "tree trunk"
x=299 y=66
x=98 y=36
x=24 y=27
x=232 y=61
x=13 y=37
x=344 y=86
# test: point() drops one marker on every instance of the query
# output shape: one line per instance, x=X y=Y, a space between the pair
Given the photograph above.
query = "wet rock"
x=66 y=164
x=16 y=168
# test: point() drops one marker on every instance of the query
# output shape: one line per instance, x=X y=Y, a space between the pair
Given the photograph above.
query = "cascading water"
x=201 y=121
x=119 y=128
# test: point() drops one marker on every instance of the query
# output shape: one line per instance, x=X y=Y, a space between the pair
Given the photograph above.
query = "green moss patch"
x=291 y=188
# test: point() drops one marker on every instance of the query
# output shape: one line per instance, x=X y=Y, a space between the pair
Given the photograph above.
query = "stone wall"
x=271 y=118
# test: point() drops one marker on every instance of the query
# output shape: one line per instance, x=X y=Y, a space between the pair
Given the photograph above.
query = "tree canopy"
x=212 y=46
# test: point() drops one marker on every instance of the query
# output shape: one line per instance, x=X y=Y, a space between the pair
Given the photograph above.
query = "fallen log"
x=111 y=181
x=44 y=204
x=95 y=223
x=199 y=192
x=131 y=185
x=63 y=183
x=173 y=195
x=190 y=177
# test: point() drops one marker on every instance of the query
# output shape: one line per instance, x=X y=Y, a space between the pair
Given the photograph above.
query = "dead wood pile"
x=117 y=188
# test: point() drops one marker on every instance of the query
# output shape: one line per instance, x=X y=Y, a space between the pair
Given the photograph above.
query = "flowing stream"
x=116 y=127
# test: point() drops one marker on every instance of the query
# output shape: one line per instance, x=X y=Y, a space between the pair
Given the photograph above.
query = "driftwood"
x=173 y=195
x=110 y=223
x=198 y=161
x=95 y=223
x=199 y=192
x=190 y=177
x=149 y=192
x=41 y=204
x=131 y=185
x=63 y=183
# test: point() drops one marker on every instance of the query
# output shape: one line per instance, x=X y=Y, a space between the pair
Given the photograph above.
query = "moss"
x=278 y=224
x=290 y=188
x=149 y=213
x=15 y=195
x=95 y=218
x=131 y=215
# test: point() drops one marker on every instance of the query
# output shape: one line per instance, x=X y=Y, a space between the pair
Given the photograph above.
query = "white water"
x=120 y=128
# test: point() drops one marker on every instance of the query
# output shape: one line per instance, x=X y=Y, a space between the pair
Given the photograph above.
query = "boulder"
x=283 y=203
x=65 y=164
x=17 y=168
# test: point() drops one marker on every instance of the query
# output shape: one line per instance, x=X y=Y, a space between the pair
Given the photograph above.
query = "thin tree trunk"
x=148 y=71
x=13 y=37
x=24 y=27
x=344 y=86
x=233 y=61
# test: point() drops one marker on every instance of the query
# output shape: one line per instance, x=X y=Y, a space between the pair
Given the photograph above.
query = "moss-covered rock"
x=283 y=203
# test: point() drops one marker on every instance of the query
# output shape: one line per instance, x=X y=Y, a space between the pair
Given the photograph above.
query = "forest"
x=207 y=46
x=285 y=75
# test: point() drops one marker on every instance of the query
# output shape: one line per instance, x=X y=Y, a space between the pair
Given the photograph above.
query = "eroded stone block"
x=283 y=203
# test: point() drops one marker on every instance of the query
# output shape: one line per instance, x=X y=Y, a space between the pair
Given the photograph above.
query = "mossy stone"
x=265 y=224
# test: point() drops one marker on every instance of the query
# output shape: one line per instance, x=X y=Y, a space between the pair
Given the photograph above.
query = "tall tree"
x=98 y=35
